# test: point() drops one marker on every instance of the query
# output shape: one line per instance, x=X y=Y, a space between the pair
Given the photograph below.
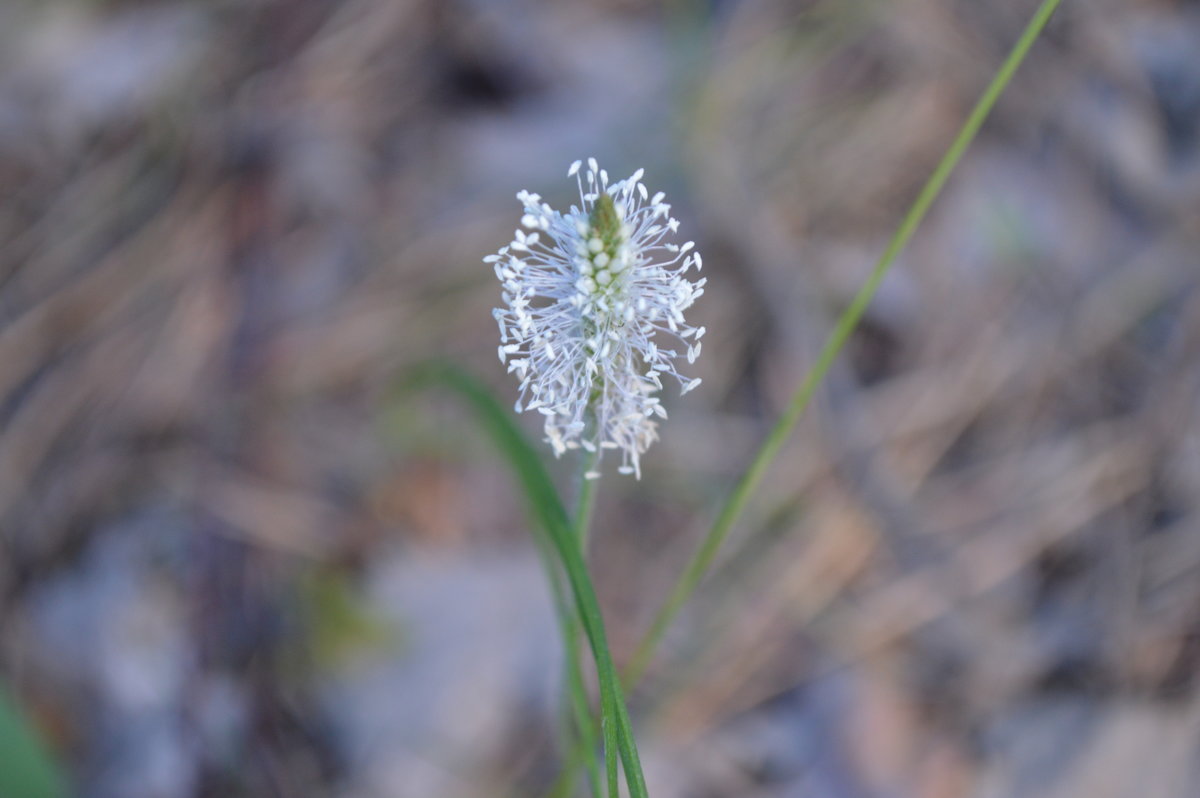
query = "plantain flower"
x=593 y=314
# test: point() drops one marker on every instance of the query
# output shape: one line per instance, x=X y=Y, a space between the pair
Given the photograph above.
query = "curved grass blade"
x=552 y=516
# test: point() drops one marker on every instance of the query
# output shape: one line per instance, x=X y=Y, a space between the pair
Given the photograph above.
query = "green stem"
x=587 y=502
x=846 y=324
x=578 y=701
x=578 y=716
x=547 y=509
x=579 y=721
x=619 y=735
x=563 y=786
x=577 y=696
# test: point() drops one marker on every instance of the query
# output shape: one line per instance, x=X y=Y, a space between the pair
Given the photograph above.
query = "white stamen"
x=601 y=296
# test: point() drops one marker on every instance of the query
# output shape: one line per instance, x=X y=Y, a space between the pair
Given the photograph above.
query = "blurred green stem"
x=732 y=510
x=581 y=715
x=577 y=697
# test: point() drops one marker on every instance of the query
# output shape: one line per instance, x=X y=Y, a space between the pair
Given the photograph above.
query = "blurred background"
x=235 y=561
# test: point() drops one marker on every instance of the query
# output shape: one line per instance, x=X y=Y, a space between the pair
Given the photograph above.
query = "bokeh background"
x=236 y=561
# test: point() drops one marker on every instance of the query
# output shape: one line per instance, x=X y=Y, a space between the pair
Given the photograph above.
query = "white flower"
x=585 y=293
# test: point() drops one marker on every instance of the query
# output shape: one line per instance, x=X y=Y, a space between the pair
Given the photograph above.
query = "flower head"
x=586 y=292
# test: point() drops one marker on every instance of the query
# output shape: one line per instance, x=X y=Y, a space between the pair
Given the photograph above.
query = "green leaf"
x=547 y=508
x=26 y=769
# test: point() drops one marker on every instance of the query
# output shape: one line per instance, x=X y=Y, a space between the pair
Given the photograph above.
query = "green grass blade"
x=698 y=566
x=731 y=511
x=552 y=516
x=26 y=768
x=526 y=464
x=579 y=732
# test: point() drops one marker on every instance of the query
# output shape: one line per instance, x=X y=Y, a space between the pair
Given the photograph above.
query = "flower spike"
x=585 y=294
